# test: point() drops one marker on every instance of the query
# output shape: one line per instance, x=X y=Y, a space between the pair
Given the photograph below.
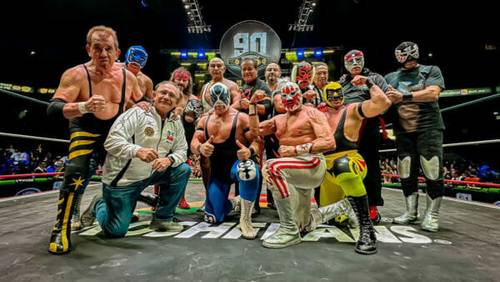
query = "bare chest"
x=220 y=128
x=293 y=126
x=109 y=87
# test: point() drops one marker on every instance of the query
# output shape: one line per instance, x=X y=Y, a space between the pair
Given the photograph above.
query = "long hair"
x=189 y=89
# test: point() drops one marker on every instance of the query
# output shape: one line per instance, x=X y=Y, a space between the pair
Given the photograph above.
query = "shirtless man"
x=303 y=134
x=90 y=96
x=135 y=60
x=222 y=136
x=346 y=168
x=216 y=69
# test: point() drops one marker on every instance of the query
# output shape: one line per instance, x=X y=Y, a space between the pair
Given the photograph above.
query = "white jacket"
x=135 y=129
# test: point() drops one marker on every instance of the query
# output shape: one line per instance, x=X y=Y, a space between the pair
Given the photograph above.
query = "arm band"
x=82 y=108
x=360 y=110
x=252 y=109
x=303 y=149
x=56 y=107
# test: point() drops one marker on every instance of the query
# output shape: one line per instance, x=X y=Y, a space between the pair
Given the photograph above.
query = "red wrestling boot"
x=183 y=204
x=375 y=216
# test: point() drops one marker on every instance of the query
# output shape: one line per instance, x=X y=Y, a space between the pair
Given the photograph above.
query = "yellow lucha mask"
x=332 y=93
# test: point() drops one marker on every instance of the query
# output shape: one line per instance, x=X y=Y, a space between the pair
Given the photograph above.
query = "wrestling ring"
x=466 y=248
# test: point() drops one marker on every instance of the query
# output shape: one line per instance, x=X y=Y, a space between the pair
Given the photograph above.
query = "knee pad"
x=430 y=167
x=344 y=166
x=404 y=167
x=247 y=170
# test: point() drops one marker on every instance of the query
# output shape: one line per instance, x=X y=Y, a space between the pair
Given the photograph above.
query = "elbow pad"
x=56 y=107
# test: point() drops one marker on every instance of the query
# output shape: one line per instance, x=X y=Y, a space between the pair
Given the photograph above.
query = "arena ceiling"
x=46 y=37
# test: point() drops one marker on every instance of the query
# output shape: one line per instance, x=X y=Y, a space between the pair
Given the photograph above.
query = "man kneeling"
x=144 y=148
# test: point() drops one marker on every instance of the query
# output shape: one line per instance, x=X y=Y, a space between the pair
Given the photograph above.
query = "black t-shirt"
x=417 y=116
x=249 y=90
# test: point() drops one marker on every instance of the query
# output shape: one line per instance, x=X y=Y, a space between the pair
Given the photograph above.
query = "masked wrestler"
x=346 y=168
x=419 y=131
x=222 y=137
x=303 y=133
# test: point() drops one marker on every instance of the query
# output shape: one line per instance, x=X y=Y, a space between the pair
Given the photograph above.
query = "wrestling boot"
x=411 y=214
x=60 y=238
x=340 y=211
x=431 y=217
x=367 y=242
x=183 y=204
x=375 y=216
x=75 y=219
x=162 y=226
x=302 y=208
x=247 y=230
x=288 y=232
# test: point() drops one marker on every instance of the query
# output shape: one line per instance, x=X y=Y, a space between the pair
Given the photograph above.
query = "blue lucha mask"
x=219 y=95
x=195 y=107
x=136 y=54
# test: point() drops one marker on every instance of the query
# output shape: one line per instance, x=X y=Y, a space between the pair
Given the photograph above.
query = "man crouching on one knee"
x=144 y=148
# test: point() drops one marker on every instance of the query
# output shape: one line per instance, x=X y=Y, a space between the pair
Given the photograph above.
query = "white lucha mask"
x=406 y=51
x=247 y=170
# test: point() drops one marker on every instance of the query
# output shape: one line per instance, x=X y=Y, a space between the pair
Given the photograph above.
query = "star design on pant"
x=78 y=182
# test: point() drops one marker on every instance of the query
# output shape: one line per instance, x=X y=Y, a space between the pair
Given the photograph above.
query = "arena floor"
x=467 y=248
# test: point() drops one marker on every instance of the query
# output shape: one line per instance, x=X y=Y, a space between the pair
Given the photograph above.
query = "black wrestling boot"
x=60 y=238
x=367 y=242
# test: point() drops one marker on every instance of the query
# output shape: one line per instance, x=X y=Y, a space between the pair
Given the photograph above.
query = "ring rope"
x=24 y=97
x=491 y=141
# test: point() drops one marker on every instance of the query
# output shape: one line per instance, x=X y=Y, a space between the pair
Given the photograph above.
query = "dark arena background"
x=41 y=39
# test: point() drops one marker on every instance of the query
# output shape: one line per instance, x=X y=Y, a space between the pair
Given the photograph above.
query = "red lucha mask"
x=182 y=75
x=290 y=96
x=304 y=75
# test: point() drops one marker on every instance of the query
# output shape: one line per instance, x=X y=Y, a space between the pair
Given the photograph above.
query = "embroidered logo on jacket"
x=149 y=131
x=170 y=136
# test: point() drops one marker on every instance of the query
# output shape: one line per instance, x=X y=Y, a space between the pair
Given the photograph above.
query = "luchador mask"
x=182 y=75
x=195 y=107
x=219 y=95
x=136 y=54
x=406 y=51
x=353 y=59
x=304 y=74
x=291 y=96
x=332 y=94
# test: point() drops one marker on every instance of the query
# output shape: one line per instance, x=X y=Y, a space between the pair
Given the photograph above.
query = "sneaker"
x=375 y=216
x=88 y=216
x=183 y=204
x=162 y=225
